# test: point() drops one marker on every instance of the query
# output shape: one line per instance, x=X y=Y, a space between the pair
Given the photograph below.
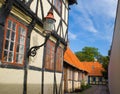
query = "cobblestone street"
x=95 y=89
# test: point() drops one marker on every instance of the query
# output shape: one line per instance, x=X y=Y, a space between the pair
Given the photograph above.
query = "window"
x=49 y=57
x=93 y=79
x=59 y=59
x=58 y=5
x=70 y=74
x=14 y=42
x=100 y=79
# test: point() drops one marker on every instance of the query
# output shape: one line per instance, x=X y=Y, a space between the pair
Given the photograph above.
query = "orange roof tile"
x=71 y=59
x=94 y=68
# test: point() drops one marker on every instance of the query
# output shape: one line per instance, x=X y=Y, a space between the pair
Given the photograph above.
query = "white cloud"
x=72 y=36
x=81 y=18
x=100 y=7
x=95 y=17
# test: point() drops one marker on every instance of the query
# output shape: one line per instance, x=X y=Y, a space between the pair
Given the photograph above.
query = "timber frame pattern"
x=58 y=34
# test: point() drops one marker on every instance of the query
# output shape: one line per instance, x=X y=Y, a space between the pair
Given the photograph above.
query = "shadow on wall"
x=11 y=88
x=31 y=89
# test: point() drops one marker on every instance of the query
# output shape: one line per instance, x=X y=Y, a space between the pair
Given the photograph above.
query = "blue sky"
x=91 y=23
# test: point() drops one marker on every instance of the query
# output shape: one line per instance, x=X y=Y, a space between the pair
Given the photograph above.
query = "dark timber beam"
x=30 y=28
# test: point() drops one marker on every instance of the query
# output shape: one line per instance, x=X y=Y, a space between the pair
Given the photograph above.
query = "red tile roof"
x=93 y=68
x=71 y=59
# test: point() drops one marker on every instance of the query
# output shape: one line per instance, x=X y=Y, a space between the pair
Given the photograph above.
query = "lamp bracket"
x=33 y=50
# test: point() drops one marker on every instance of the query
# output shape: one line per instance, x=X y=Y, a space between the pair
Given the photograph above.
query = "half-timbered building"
x=75 y=73
x=31 y=57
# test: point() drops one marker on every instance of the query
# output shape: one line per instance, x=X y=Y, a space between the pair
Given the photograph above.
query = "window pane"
x=5 y=56
x=20 y=49
x=57 y=4
x=8 y=34
x=9 y=24
x=21 y=40
x=23 y=32
x=17 y=48
x=11 y=46
x=13 y=26
x=19 y=58
x=10 y=59
x=13 y=36
x=19 y=31
x=6 y=44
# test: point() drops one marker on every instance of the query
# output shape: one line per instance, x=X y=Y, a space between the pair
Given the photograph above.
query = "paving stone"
x=95 y=89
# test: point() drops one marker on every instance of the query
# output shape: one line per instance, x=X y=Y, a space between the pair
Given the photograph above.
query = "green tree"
x=105 y=66
x=88 y=54
x=105 y=63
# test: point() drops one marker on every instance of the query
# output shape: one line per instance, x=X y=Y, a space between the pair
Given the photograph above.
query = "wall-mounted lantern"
x=48 y=25
x=49 y=22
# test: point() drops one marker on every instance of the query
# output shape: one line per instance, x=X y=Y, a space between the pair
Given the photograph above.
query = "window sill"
x=11 y=65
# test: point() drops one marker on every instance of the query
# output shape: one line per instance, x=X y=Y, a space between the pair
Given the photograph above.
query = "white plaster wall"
x=36 y=40
x=63 y=9
x=34 y=82
x=48 y=82
x=11 y=81
x=69 y=86
x=76 y=85
x=33 y=5
x=58 y=78
x=79 y=85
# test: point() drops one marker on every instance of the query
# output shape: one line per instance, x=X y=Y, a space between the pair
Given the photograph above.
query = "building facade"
x=75 y=74
x=95 y=75
x=26 y=66
x=114 y=69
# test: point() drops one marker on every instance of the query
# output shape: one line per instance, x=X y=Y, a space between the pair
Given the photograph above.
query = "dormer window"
x=58 y=5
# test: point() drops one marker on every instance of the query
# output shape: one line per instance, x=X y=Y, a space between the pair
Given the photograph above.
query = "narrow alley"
x=95 y=89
